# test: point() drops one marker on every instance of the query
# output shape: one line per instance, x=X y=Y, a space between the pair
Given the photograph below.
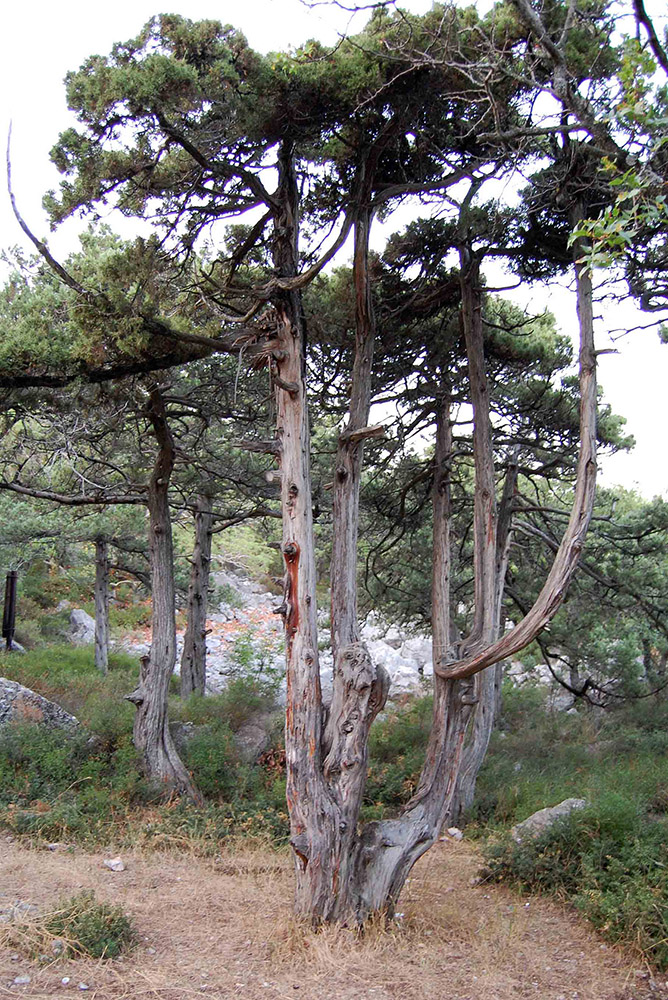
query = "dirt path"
x=223 y=929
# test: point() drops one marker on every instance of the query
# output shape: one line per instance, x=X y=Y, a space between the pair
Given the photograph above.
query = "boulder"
x=82 y=628
x=252 y=737
x=540 y=821
x=20 y=704
x=418 y=648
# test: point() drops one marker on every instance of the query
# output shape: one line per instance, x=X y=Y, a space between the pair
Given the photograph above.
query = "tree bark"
x=488 y=682
x=193 y=658
x=311 y=807
x=101 y=604
x=152 y=737
x=565 y=562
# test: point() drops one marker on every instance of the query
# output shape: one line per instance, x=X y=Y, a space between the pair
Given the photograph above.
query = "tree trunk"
x=310 y=804
x=193 y=658
x=101 y=604
x=487 y=682
x=342 y=875
x=152 y=737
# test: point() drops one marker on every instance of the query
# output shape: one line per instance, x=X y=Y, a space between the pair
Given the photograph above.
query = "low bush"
x=396 y=754
x=609 y=860
x=78 y=926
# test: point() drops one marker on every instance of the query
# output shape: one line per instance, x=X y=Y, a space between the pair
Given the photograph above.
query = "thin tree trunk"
x=565 y=562
x=151 y=726
x=193 y=658
x=487 y=682
x=101 y=604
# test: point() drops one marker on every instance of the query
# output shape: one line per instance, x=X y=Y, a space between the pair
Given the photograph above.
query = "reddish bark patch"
x=291 y=554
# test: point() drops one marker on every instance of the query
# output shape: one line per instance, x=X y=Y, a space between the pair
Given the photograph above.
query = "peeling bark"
x=152 y=738
x=102 y=604
x=193 y=658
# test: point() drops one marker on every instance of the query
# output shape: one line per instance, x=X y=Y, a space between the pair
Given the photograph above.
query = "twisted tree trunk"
x=193 y=658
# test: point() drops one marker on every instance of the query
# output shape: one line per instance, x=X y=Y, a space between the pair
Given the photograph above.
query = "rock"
x=20 y=704
x=21 y=980
x=406 y=681
x=455 y=833
x=252 y=738
x=114 y=864
x=538 y=822
x=394 y=637
x=182 y=733
x=418 y=648
x=82 y=628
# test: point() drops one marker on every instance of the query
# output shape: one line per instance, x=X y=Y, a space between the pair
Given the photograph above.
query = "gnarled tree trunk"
x=152 y=738
x=193 y=658
x=343 y=874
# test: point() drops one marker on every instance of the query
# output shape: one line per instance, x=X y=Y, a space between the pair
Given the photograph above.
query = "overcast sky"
x=40 y=41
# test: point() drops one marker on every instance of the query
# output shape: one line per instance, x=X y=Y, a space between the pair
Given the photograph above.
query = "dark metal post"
x=9 y=612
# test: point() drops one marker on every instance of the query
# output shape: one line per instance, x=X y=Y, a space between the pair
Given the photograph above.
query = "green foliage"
x=87 y=927
x=60 y=786
x=610 y=861
x=396 y=755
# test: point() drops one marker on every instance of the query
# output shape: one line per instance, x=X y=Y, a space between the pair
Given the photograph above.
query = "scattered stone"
x=52 y=847
x=65 y=980
x=21 y=980
x=150 y=951
x=84 y=986
x=455 y=833
x=57 y=946
x=540 y=821
x=14 y=958
x=114 y=864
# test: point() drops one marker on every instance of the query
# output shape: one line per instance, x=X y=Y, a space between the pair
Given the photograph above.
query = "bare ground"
x=223 y=928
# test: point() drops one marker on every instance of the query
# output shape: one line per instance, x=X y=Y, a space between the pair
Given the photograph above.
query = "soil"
x=222 y=928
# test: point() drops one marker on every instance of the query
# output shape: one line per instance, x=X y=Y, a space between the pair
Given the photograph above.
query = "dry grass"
x=223 y=929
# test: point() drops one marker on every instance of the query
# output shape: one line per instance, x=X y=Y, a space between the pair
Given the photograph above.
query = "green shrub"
x=396 y=754
x=609 y=860
x=90 y=928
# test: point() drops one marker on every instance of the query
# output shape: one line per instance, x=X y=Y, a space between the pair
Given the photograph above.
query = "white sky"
x=41 y=40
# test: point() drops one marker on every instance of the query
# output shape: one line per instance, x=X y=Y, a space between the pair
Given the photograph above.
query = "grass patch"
x=611 y=859
x=57 y=786
x=77 y=927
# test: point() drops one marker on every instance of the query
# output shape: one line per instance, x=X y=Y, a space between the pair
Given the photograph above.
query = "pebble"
x=84 y=986
x=150 y=951
x=65 y=980
x=21 y=980
x=114 y=864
